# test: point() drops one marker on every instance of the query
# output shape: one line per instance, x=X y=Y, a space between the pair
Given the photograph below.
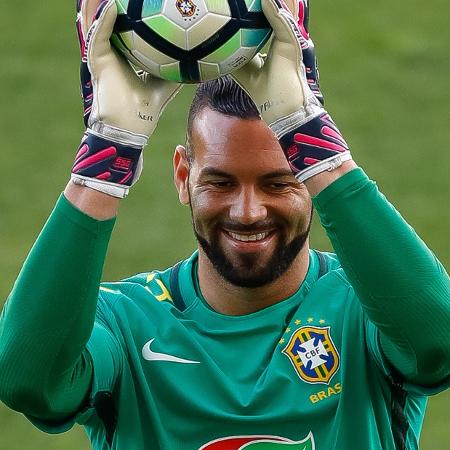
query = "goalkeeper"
x=255 y=340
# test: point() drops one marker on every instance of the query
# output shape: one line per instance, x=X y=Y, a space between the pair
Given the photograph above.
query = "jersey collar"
x=191 y=293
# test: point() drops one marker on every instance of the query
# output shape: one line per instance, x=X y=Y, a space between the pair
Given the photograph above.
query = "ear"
x=181 y=174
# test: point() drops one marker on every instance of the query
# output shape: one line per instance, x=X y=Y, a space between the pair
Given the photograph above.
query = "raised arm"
x=402 y=287
x=45 y=369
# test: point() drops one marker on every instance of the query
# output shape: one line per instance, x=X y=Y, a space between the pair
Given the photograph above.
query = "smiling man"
x=255 y=341
x=250 y=215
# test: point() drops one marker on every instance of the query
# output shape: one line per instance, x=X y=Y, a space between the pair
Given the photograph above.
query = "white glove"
x=278 y=85
x=121 y=106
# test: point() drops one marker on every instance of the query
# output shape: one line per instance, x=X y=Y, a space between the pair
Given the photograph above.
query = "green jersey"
x=146 y=364
x=306 y=372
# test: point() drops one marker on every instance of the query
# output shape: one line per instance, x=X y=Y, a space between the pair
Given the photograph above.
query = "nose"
x=248 y=207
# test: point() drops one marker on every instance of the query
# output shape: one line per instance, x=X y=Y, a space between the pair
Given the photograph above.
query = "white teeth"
x=248 y=237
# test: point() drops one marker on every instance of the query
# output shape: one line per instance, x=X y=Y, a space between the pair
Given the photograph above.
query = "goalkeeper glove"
x=121 y=106
x=288 y=95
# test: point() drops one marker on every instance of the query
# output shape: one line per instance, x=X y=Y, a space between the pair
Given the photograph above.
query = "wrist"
x=98 y=205
x=320 y=181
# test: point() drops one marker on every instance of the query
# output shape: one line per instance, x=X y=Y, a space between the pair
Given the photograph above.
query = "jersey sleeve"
x=403 y=288
x=387 y=368
x=105 y=355
x=46 y=369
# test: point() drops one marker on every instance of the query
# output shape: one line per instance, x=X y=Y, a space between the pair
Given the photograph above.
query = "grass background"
x=385 y=68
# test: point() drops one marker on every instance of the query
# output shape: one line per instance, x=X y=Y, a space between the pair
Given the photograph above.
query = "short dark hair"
x=222 y=95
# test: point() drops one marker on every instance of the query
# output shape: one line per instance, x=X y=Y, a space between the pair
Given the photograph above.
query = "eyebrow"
x=212 y=171
x=278 y=174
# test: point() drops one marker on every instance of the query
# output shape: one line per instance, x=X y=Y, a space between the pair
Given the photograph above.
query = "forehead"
x=234 y=144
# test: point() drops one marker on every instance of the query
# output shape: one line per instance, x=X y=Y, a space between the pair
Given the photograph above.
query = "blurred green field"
x=385 y=69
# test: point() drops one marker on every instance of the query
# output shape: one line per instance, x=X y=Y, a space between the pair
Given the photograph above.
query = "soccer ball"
x=190 y=41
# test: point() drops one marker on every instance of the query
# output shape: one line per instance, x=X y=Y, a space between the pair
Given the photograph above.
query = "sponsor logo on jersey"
x=186 y=7
x=150 y=355
x=260 y=443
x=313 y=354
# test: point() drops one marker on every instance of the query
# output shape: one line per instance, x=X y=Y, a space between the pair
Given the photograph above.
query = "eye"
x=220 y=183
x=278 y=186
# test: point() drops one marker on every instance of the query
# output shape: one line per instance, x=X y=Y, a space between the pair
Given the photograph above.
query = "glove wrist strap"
x=111 y=189
x=326 y=165
x=313 y=144
x=109 y=164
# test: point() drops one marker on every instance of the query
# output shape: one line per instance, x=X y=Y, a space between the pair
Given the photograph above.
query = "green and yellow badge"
x=313 y=354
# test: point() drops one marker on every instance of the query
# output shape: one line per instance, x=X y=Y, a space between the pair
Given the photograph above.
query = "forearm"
x=402 y=287
x=48 y=318
x=95 y=204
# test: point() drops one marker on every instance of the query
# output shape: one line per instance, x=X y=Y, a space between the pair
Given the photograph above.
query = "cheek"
x=298 y=209
x=205 y=208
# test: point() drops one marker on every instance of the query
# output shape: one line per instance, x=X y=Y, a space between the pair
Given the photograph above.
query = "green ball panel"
x=123 y=41
x=255 y=37
x=218 y=7
x=122 y=6
x=226 y=50
x=254 y=5
x=208 y=71
x=151 y=7
x=171 y=72
x=167 y=29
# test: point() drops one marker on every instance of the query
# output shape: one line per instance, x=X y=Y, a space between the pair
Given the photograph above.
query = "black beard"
x=246 y=275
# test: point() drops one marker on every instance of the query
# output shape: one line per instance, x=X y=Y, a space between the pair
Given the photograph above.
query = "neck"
x=226 y=298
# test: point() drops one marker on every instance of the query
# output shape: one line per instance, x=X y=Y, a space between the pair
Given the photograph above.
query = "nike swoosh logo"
x=149 y=355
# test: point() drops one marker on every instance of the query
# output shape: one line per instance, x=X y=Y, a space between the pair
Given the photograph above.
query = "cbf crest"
x=186 y=7
x=313 y=354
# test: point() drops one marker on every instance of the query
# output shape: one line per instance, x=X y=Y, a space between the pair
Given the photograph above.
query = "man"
x=255 y=341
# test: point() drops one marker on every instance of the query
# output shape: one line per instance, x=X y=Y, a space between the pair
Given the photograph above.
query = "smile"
x=248 y=237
